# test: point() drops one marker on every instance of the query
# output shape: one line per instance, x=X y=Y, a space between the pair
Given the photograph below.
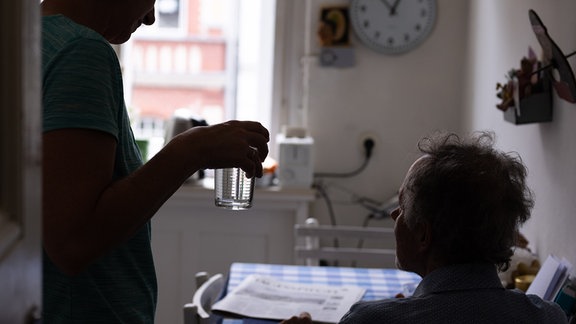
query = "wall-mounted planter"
x=531 y=102
x=535 y=108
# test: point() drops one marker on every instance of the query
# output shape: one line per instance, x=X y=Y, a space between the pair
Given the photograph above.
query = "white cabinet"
x=190 y=234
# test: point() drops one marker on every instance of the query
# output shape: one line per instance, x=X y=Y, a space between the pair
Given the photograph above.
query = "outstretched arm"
x=86 y=213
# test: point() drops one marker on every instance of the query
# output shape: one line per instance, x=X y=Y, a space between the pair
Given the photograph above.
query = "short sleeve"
x=82 y=88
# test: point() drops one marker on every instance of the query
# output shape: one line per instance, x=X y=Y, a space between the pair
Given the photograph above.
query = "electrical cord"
x=321 y=189
x=319 y=186
x=343 y=175
x=361 y=241
x=368 y=147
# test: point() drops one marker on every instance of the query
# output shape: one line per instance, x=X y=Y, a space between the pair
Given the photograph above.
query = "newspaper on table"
x=267 y=298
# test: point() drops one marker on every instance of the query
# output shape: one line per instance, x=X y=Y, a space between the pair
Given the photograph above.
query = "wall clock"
x=392 y=26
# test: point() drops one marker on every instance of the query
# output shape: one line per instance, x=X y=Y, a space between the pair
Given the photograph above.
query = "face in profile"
x=408 y=254
x=127 y=16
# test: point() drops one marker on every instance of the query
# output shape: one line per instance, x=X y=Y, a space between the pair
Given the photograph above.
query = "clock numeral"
x=363 y=8
x=377 y=34
x=366 y=24
x=418 y=27
x=391 y=41
x=423 y=13
x=406 y=38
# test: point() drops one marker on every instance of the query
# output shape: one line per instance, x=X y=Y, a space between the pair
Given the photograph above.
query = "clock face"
x=392 y=26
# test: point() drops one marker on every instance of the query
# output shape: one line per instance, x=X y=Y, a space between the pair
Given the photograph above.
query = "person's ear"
x=424 y=236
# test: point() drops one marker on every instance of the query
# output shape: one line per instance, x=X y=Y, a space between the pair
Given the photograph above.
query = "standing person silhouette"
x=98 y=196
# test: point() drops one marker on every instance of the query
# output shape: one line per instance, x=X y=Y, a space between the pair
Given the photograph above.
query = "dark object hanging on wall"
x=534 y=108
x=566 y=86
x=527 y=97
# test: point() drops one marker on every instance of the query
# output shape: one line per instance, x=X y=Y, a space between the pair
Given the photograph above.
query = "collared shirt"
x=468 y=293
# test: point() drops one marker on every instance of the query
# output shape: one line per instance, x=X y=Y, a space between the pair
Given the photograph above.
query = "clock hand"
x=393 y=9
x=386 y=4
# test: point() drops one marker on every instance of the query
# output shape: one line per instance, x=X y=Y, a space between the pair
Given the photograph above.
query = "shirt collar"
x=459 y=277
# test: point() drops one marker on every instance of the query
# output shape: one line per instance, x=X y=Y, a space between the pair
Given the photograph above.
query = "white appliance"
x=295 y=164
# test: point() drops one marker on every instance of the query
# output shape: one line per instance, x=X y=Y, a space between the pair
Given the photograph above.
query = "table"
x=379 y=283
x=188 y=223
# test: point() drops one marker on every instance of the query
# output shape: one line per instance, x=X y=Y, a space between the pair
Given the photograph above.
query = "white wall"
x=447 y=83
x=500 y=35
x=398 y=99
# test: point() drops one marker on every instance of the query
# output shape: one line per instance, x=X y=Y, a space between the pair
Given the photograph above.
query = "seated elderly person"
x=461 y=205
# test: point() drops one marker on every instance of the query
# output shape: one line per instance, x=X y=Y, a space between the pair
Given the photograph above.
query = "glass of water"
x=232 y=189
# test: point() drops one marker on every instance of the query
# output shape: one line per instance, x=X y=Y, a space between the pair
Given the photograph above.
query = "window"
x=209 y=59
x=168 y=13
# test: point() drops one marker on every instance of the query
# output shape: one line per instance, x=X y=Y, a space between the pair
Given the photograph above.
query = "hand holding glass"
x=232 y=189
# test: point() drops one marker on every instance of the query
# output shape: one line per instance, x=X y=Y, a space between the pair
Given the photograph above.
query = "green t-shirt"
x=82 y=88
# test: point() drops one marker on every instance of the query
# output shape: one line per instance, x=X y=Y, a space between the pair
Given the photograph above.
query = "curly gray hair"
x=473 y=196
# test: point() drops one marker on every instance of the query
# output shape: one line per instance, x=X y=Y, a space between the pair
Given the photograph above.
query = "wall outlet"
x=363 y=137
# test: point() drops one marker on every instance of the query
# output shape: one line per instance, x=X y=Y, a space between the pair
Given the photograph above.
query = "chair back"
x=209 y=290
x=310 y=248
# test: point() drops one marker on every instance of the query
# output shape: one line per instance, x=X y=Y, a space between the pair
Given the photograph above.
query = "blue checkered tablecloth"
x=379 y=283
